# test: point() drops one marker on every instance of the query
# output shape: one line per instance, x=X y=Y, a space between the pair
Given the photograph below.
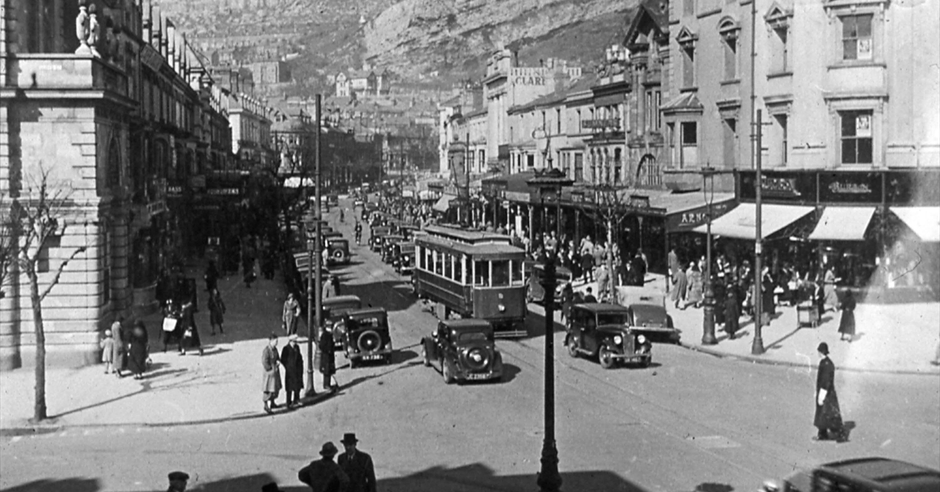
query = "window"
x=688 y=66
x=689 y=134
x=729 y=135
x=530 y=160
x=781 y=51
x=781 y=121
x=458 y=268
x=516 y=267
x=438 y=263
x=578 y=166
x=500 y=273
x=481 y=273
x=856 y=137
x=419 y=254
x=558 y=121
x=731 y=56
x=856 y=37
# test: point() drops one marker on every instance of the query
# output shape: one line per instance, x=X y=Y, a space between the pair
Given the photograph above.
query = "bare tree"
x=607 y=204
x=36 y=216
x=7 y=244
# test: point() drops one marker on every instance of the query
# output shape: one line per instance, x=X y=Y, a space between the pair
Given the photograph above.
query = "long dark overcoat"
x=327 y=356
x=293 y=362
x=828 y=415
x=847 y=321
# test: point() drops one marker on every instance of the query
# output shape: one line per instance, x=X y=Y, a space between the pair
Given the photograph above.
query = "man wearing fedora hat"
x=828 y=417
x=293 y=361
x=178 y=481
x=357 y=465
x=324 y=475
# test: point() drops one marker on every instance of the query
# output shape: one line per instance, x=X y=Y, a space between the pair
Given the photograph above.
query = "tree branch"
x=58 y=273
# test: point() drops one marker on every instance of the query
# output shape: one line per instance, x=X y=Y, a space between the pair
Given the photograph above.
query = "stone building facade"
x=110 y=102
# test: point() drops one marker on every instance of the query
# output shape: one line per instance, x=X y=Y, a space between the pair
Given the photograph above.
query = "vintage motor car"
x=387 y=243
x=366 y=336
x=334 y=315
x=403 y=257
x=603 y=331
x=337 y=250
x=464 y=350
x=859 y=475
x=647 y=309
x=375 y=237
x=534 y=292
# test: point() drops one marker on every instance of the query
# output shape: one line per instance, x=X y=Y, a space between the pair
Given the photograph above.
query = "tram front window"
x=481 y=273
x=501 y=273
x=516 y=267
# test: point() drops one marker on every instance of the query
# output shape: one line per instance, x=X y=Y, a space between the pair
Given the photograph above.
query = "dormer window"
x=687 y=40
x=729 y=29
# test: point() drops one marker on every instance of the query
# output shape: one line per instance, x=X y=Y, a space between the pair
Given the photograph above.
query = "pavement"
x=890 y=338
x=192 y=389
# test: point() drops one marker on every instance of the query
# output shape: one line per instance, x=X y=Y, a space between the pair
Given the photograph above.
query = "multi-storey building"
x=251 y=132
x=123 y=120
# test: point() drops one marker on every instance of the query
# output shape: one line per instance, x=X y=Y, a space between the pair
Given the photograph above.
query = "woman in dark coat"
x=327 y=359
x=216 y=310
x=190 y=331
x=172 y=311
x=828 y=417
x=138 y=350
x=847 y=322
x=732 y=314
x=567 y=299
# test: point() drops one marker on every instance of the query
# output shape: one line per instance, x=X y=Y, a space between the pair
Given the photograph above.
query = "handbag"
x=188 y=333
x=169 y=324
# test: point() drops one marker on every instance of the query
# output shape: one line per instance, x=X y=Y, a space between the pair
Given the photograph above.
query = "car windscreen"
x=612 y=319
x=471 y=336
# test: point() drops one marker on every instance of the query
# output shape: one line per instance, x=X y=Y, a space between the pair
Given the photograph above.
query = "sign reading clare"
x=529 y=76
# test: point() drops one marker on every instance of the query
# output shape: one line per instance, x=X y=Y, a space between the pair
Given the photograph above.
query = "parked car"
x=334 y=315
x=603 y=331
x=366 y=336
x=534 y=291
x=647 y=309
x=860 y=475
x=338 y=250
x=403 y=257
x=464 y=350
x=375 y=238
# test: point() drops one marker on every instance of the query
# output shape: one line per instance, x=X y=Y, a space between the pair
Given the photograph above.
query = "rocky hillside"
x=413 y=38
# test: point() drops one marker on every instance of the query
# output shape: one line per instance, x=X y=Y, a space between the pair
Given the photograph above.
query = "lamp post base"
x=757 y=346
x=549 y=479
x=708 y=323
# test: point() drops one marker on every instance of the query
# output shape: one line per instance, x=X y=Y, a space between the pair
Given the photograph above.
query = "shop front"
x=876 y=230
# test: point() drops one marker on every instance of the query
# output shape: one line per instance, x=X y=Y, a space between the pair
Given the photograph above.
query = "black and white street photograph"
x=470 y=245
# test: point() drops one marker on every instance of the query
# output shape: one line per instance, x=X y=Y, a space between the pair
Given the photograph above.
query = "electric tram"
x=472 y=274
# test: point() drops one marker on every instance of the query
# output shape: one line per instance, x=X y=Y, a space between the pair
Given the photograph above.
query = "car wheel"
x=368 y=341
x=424 y=355
x=572 y=346
x=606 y=357
x=448 y=376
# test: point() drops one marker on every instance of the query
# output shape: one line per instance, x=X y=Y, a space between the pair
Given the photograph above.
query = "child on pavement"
x=107 y=354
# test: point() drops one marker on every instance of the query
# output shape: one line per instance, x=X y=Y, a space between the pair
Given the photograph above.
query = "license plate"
x=478 y=376
x=371 y=357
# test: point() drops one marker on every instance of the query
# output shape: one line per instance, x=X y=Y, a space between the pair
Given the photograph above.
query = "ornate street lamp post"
x=549 y=185
x=708 y=323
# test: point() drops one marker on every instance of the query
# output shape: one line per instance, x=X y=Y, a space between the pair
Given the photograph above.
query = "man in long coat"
x=290 y=313
x=732 y=313
x=271 y=382
x=293 y=361
x=357 y=465
x=828 y=417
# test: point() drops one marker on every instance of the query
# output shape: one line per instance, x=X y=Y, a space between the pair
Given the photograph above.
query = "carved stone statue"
x=81 y=29
x=111 y=43
x=94 y=30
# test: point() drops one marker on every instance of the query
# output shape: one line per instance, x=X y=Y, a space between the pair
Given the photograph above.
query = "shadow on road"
x=379 y=294
x=70 y=484
x=471 y=478
x=535 y=325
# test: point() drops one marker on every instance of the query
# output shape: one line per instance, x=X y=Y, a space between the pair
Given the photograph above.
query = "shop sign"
x=156 y=207
x=850 y=187
x=174 y=191
x=789 y=187
x=224 y=191
x=151 y=58
x=517 y=196
x=690 y=219
x=601 y=123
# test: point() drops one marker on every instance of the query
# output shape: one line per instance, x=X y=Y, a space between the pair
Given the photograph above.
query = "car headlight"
x=641 y=339
x=502 y=308
x=618 y=339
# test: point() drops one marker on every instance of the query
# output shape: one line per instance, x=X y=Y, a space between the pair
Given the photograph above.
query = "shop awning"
x=924 y=221
x=685 y=211
x=741 y=222
x=842 y=224
x=443 y=203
